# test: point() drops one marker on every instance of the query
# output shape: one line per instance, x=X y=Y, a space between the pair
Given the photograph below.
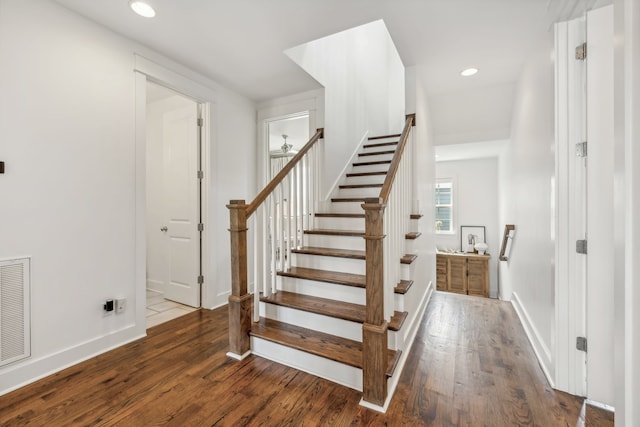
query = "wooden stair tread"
x=348 y=199
x=408 y=258
x=331 y=347
x=373 y=138
x=416 y=216
x=377 y=162
x=352 y=174
x=413 y=235
x=379 y=144
x=338 y=253
x=397 y=320
x=348 y=279
x=361 y=186
x=403 y=287
x=329 y=307
x=377 y=153
x=330 y=232
x=338 y=215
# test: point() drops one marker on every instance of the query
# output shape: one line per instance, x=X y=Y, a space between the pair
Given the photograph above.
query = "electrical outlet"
x=121 y=304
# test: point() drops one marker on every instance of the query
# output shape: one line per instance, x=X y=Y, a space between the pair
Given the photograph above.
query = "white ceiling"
x=240 y=43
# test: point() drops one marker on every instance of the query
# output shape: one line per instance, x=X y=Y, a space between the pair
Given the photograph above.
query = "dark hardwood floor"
x=471 y=365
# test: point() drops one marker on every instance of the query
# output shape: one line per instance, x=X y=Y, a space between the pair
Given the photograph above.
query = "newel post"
x=374 y=330
x=239 y=300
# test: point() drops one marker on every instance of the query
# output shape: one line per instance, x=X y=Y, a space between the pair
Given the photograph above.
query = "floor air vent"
x=15 y=340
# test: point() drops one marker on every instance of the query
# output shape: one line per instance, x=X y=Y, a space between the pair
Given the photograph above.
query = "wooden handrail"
x=253 y=206
x=385 y=191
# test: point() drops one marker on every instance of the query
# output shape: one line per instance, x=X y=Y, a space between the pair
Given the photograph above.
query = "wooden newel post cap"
x=236 y=204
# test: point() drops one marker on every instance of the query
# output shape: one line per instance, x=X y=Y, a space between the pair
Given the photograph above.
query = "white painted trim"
x=392 y=383
x=569 y=319
x=539 y=348
x=239 y=356
x=600 y=405
x=147 y=70
x=32 y=370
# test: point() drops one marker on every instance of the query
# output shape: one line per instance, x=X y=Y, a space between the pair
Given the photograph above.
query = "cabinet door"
x=458 y=274
x=441 y=272
x=478 y=277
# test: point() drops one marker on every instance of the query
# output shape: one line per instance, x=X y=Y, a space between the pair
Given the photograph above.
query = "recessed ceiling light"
x=468 y=72
x=142 y=8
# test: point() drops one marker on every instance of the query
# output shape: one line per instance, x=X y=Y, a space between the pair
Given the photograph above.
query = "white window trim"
x=453 y=183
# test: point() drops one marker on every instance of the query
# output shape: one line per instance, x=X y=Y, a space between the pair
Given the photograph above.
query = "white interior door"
x=182 y=206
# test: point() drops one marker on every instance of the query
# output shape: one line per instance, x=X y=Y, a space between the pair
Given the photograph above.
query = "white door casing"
x=180 y=133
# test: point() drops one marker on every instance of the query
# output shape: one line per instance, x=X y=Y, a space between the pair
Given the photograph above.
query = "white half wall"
x=526 y=198
x=363 y=77
x=475 y=189
x=67 y=136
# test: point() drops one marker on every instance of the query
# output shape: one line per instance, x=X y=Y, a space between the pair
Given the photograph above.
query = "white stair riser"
x=370 y=168
x=342 y=265
x=333 y=371
x=366 y=179
x=347 y=207
x=333 y=223
x=333 y=291
x=399 y=301
x=341 y=242
x=410 y=245
x=373 y=158
x=359 y=192
x=318 y=322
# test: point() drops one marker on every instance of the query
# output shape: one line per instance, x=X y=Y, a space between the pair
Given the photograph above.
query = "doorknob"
x=165 y=229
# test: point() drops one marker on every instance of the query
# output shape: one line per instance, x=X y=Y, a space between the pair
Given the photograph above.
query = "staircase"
x=314 y=316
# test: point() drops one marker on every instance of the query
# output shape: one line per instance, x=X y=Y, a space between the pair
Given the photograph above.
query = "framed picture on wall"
x=470 y=235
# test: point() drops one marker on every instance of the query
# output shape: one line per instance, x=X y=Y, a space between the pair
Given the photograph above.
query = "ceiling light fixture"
x=468 y=72
x=142 y=8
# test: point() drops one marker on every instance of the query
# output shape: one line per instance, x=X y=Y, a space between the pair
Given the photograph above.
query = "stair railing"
x=386 y=224
x=283 y=210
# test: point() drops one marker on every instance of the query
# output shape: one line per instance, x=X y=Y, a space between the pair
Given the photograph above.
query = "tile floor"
x=160 y=310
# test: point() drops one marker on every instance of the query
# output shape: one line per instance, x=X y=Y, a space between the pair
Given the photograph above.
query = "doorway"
x=173 y=204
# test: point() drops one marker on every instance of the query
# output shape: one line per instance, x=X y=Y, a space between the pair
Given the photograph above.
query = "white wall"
x=67 y=135
x=526 y=174
x=475 y=203
x=363 y=78
x=424 y=167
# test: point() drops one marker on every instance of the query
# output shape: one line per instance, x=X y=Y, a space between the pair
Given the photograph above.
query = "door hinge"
x=581 y=51
x=581 y=344
x=581 y=246
x=581 y=149
x=200 y=122
x=200 y=279
x=200 y=174
x=200 y=227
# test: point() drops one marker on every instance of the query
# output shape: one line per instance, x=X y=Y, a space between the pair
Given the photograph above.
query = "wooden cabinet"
x=463 y=274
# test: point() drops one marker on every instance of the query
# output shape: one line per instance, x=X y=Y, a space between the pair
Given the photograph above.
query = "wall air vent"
x=15 y=336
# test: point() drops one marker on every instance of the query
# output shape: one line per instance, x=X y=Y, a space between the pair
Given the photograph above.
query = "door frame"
x=147 y=70
x=570 y=317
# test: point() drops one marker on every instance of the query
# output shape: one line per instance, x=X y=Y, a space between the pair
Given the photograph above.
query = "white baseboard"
x=539 y=347
x=28 y=371
x=392 y=383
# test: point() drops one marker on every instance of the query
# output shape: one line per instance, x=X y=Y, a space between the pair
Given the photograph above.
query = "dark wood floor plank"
x=471 y=365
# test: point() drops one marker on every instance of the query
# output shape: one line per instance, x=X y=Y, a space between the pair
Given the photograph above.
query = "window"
x=444 y=206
